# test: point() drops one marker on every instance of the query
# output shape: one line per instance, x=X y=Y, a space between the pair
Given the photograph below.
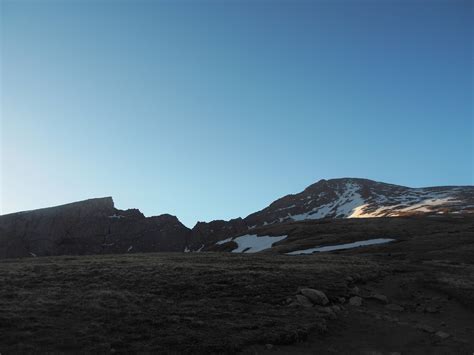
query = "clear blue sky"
x=213 y=109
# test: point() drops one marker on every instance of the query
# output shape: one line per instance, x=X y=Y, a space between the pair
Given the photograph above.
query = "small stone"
x=380 y=298
x=355 y=301
x=327 y=311
x=442 y=335
x=426 y=328
x=431 y=309
x=336 y=309
x=355 y=291
x=269 y=346
x=349 y=279
x=304 y=301
x=394 y=307
x=315 y=296
x=341 y=300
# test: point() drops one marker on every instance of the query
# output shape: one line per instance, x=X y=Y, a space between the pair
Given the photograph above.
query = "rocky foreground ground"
x=386 y=299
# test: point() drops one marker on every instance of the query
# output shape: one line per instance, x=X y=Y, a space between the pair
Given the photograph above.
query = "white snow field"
x=252 y=243
x=342 y=246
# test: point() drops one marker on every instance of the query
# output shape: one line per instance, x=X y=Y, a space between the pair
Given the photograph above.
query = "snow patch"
x=220 y=242
x=346 y=203
x=252 y=243
x=342 y=246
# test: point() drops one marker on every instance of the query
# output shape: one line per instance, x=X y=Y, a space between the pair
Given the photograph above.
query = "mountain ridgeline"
x=96 y=227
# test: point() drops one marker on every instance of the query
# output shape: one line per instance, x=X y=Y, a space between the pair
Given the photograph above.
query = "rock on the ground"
x=425 y=328
x=379 y=297
x=304 y=301
x=442 y=335
x=355 y=291
x=327 y=311
x=355 y=301
x=315 y=296
x=394 y=307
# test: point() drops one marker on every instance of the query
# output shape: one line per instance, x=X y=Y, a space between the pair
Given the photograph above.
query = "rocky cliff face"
x=208 y=233
x=88 y=227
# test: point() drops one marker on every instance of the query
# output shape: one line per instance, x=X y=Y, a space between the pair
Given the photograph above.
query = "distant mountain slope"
x=96 y=227
x=344 y=198
x=88 y=227
x=356 y=198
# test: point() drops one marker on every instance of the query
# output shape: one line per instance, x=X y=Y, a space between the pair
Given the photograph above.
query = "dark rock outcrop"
x=88 y=227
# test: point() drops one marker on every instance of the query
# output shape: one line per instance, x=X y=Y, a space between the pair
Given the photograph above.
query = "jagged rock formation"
x=88 y=227
x=208 y=233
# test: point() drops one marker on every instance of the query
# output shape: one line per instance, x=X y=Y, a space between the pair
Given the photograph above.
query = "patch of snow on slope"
x=220 y=242
x=342 y=246
x=422 y=206
x=252 y=243
x=345 y=205
x=425 y=202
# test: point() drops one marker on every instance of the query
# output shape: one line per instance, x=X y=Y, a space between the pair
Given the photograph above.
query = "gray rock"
x=442 y=335
x=379 y=297
x=394 y=307
x=355 y=301
x=304 y=301
x=426 y=328
x=355 y=291
x=316 y=296
x=328 y=311
x=432 y=309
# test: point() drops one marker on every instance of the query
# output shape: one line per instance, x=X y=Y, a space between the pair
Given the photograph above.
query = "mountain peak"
x=356 y=197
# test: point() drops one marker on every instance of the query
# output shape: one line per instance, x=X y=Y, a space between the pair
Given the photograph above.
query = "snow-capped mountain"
x=362 y=198
x=342 y=198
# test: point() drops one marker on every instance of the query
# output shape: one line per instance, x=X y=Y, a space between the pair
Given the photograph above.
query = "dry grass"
x=164 y=302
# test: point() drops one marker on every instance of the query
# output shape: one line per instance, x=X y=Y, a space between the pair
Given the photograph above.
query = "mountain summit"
x=357 y=198
x=344 y=198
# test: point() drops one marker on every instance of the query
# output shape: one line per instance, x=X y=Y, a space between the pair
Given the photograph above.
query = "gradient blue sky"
x=213 y=109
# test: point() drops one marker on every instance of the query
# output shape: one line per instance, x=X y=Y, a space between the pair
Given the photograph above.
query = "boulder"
x=355 y=301
x=315 y=296
x=304 y=301
x=442 y=335
x=394 y=307
x=355 y=291
x=379 y=297
x=425 y=328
